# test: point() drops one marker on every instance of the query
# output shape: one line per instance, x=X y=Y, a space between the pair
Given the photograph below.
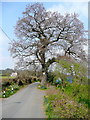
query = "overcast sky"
x=11 y=11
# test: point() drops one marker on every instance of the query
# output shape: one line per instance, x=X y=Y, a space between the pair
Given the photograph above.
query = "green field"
x=6 y=77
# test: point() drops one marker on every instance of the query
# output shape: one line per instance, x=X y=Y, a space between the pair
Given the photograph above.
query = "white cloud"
x=80 y=8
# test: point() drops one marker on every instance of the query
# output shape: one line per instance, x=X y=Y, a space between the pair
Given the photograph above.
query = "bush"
x=6 y=83
x=50 y=77
x=20 y=83
x=15 y=87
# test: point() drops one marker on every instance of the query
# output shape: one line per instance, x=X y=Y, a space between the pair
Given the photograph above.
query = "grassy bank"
x=58 y=104
x=79 y=92
x=10 y=90
x=10 y=85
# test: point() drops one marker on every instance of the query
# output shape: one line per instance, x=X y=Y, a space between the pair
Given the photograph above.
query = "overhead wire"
x=5 y=33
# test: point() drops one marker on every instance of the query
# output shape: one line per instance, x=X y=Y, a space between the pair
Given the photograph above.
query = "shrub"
x=50 y=77
x=20 y=82
x=15 y=87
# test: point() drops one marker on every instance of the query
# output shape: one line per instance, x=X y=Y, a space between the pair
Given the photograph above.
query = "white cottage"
x=13 y=74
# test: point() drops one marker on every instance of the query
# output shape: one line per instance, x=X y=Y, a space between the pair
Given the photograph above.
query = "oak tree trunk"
x=44 y=75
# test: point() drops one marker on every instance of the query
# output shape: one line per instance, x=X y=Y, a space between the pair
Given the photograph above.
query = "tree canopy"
x=43 y=36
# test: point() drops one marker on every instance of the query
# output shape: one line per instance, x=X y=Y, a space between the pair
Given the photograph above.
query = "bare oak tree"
x=44 y=36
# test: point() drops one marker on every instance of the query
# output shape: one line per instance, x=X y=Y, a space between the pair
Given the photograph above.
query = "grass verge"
x=79 y=92
x=42 y=87
x=9 y=91
x=60 y=105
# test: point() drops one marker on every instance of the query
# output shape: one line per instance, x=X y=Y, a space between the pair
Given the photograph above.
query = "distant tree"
x=7 y=72
x=44 y=35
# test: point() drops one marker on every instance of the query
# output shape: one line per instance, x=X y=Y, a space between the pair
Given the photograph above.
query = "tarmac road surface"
x=27 y=103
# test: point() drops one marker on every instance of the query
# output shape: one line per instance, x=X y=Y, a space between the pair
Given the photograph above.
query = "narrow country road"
x=27 y=103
